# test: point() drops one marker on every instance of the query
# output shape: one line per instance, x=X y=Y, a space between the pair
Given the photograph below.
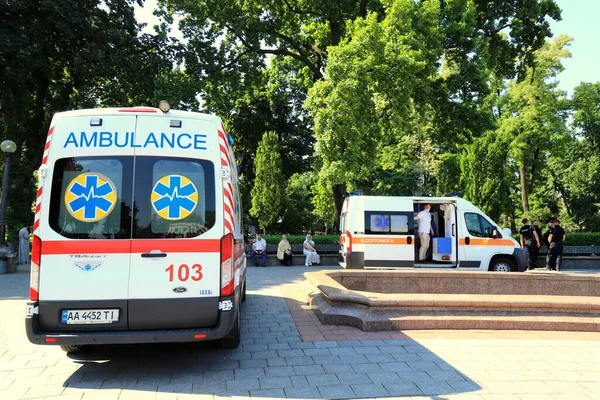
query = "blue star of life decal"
x=174 y=197
x=90 y=197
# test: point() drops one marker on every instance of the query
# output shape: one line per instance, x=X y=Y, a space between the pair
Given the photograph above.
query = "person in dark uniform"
x=530 y=241
x=538 y=230
x=555 y=250
x=545 y=236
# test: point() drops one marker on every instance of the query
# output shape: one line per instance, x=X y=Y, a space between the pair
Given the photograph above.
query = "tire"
x=71 y=348
x=502 y=264
x=244 y=291
x=232 y=340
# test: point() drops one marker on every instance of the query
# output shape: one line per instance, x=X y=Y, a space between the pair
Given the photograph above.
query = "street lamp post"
x=8 y=147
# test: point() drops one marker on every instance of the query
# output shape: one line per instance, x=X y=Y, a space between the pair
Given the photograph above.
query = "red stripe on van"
x=228 y=226
x=36 y=224
x=176 y=245
x=133 y=246
x=224 y=161
x=86 y=246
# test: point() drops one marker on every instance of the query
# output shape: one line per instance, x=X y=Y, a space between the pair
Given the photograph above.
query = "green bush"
x=299 y=239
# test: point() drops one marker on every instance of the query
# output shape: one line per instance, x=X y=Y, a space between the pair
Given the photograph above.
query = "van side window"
x=388 y=222
x=478 y=226
x=91 y=197
x=174 y=197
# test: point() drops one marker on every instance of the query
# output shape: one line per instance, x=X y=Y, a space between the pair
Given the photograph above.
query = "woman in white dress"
x=310 y=251
x=24 y=245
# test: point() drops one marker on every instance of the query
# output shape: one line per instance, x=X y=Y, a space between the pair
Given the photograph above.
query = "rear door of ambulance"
x=174 y=279
x=388 y=239
x=83 y=221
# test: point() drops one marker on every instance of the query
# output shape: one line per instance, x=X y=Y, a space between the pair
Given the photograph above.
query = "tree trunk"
x=334 y=32
x=339 y=193
x=523 y=178
x=362 y=10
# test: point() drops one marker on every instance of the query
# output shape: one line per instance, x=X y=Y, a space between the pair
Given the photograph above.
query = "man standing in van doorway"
x=425 y=230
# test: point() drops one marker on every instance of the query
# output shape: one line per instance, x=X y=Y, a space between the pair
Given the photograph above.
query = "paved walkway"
x=288 y=354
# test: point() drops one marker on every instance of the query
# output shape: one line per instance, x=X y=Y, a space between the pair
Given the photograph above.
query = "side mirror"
x=506 y=232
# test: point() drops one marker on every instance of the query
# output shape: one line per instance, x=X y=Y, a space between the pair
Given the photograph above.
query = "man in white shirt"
x=259 y=247
x=425 y=229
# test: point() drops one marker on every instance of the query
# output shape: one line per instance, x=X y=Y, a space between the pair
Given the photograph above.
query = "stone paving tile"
x=267 y=394
x=402 y=389
x=437 y=388
x=367 y=367
x=337 y=392
x=280 y=382
x=357 y=379
x=271 y=372
x=248 y=373
x=302 y=393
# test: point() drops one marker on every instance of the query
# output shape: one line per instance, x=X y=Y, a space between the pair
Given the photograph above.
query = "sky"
x=580 y=20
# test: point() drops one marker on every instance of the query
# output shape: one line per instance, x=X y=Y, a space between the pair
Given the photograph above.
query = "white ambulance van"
x=382 y=233
x=138 y=231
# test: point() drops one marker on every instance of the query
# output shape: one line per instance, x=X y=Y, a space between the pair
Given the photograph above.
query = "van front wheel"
x=502 y=265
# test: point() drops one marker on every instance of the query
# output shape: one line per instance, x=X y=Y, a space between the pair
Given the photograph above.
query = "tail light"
x=349 y=239
x=227 y=275
x=36 y=258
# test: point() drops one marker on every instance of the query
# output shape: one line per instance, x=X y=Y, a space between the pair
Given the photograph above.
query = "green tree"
x=269 y=186
x=531 y=115
x=59 y=55
x=574 y=167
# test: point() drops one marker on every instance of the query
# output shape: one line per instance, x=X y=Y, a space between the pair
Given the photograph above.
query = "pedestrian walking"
x=555 y=250
x=530 y=241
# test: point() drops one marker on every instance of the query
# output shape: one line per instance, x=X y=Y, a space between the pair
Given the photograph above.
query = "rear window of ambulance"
x=174 y=197
x=96 y=197
x=91 y=197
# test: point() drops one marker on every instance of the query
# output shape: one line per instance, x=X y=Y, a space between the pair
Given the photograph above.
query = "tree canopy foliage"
x=387 y=97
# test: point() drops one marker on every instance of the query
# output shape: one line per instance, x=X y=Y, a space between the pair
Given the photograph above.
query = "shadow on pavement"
x=273 y=363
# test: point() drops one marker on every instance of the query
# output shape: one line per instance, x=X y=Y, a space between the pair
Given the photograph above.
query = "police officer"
x=530 y=241
x=555 y=250
x=538 y=230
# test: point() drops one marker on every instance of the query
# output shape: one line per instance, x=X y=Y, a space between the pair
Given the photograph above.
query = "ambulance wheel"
x=244 y=291
x=502 y=265
x=232 y=340
x=71 y=348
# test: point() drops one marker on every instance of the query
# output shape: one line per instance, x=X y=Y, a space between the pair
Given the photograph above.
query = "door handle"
x=409 y=240
x=154 y=255
x=467 y=240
